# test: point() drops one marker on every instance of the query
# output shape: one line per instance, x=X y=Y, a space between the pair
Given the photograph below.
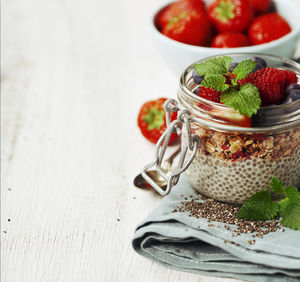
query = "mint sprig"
x=216 y=82
x=260 y=205
x=247 y=100
x=243 y=69
x=244 y=98
x=214 y=66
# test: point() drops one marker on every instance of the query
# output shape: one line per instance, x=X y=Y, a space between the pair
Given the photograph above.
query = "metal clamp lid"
x=189 y=142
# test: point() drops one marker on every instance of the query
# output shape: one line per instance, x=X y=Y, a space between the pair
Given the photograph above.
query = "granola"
x=237 y=146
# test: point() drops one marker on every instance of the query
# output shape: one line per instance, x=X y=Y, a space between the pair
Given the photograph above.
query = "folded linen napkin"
x=182 y=242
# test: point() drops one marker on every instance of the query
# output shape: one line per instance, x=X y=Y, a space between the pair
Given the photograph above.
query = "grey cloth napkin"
x=176 y=241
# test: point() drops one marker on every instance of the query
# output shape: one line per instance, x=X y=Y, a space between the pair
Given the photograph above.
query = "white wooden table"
x=74 y=74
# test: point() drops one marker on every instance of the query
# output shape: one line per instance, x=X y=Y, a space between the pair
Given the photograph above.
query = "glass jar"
x=232 y=162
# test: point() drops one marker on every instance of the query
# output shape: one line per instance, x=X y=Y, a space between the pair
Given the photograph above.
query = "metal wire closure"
x=189 y=142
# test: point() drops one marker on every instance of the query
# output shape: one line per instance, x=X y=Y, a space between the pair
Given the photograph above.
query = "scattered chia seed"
x=118 y=219
x=9 y=189
x=8 y=219
x=212 y=210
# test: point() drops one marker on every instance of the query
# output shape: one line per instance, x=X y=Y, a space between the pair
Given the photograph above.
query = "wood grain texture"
x=74 y=74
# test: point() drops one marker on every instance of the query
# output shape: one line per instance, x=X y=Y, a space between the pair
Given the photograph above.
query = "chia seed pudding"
x=234 y=160
x=231 y=167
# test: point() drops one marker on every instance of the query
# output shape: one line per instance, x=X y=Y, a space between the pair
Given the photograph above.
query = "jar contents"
x=232 y=165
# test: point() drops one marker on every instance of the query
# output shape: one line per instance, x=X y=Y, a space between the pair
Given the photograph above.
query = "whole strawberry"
x=152 y=121
x=230 y=40
x=261 y=6
x=271 y=83
x=189 y=27
x=209 y=94
x=268 y=27
x=175 y=9
x=230 y=15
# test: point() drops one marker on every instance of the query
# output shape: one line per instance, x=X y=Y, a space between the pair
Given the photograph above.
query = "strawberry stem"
x=225 y=11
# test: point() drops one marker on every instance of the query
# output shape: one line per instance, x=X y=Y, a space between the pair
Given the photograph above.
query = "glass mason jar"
x=232 y=162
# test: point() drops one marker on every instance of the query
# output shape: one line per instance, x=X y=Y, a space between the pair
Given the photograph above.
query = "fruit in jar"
x=241 y=89
x=271 y=83
x=230 y=15
x=292 y=93
x=230 y=40
x=209 y=94
x=268 y=27
x=196 y=77
x=261 y=6
x=152 y=120
x=185 y=21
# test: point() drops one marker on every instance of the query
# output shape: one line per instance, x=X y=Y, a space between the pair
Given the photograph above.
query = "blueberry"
x=232 y=66
x=197 y=78
x=260 y=63
x=292 y=93
x=196 y=90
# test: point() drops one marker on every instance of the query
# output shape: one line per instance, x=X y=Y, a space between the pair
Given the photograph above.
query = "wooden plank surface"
x=74 y=74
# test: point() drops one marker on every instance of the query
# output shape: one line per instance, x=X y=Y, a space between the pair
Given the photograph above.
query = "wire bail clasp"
x=188 y=142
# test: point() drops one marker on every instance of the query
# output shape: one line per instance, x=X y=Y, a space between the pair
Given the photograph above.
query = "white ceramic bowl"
x=180 y=55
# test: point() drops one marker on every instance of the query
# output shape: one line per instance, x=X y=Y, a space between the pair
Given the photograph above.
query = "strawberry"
x=261 y=6
x=268 y=27
x=209 y=94
x=230 y=15
x=232 y=117
x=190 y=27
x=271 y=83
x=230 y=40
x=152 y=120
x=176 y=8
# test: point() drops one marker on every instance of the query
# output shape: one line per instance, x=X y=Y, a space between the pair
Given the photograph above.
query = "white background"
x=74 y=74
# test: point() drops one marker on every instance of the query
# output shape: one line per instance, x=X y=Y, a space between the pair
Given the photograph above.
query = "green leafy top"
x=154 y=118
x=244 y=98
x=261 y=207
x=214 y=66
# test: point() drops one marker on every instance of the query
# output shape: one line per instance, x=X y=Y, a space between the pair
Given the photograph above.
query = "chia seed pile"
x=216 y=211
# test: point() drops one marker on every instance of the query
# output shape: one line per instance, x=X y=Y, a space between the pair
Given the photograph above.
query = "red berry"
x=189 y=27
x=271 y=84
x=230 y=40
x=176 y=8
x=266 y=28
x=152 y=120
x=230 y=15
x=209 y=94
x=261 y=6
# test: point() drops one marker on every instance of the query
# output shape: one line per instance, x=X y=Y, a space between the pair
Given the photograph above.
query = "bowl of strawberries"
x=188 y=30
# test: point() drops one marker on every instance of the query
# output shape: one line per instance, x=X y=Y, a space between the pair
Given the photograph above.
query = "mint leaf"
x=259 y=207
x=243 y=69
x=276 y=186
x=292 y=193
x=216 y=82
x=214 y=66
x=247 y=101
x=282 y=206
x=291 y=215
